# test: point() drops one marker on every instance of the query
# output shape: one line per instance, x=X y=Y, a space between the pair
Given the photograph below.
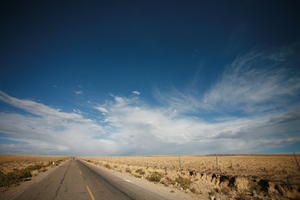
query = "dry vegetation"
x=215 y=177
x=17 y=168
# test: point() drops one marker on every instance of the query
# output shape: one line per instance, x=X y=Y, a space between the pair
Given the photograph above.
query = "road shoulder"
x=161 y=190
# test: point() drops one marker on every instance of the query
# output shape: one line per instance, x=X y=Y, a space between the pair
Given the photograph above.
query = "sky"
x=149 y=77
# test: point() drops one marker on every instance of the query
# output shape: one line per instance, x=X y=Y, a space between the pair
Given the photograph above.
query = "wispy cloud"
x=78 y=92
x=254 y=82
x=136 y=92
x=258 y=97
x=247 y=86
x=102 y=109
x=38 y=108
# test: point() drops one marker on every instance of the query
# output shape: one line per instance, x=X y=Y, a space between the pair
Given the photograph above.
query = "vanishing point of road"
x=76 y=179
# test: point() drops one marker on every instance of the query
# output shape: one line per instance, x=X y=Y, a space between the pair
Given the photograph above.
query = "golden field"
x=17 y=168
x=262 y=176
x=9 y=163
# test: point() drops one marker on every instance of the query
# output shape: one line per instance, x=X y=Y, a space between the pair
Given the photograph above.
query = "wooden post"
x=179 y=162
x=217 y=164
x=295 y=157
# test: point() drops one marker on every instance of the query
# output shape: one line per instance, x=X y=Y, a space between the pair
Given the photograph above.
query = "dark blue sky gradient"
x=109 y=43
x=49 y=49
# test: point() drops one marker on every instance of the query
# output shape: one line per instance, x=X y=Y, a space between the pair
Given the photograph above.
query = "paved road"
x=78 y=180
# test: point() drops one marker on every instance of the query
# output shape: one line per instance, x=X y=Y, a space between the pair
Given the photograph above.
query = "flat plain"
x=10 y=163
x=215 y=177
x=251 y=176
x=17 y=168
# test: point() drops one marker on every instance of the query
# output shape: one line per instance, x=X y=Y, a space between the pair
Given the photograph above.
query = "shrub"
x=107 y=166
x=19 y=175
x=170 y=181
x=140 y=171
x=137 y=176
x=183 y=182
x=34 y=167
x=24 y=173
x=14 y=177
x=154 y=177
x=128 y=170
x=193 y=190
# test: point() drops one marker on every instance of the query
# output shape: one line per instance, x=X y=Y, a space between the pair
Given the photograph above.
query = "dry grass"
x=17 y=168
x=276 y=167
x=253 y=176
x=9 y=163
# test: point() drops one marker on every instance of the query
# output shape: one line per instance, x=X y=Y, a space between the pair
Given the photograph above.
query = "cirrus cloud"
x=252 y=107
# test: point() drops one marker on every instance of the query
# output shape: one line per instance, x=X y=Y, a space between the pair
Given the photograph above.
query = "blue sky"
x=149 y=77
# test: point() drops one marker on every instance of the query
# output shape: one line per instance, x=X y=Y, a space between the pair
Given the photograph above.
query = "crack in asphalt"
x=61 y=182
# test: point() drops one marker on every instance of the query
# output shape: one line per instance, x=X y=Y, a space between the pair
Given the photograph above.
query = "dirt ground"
x=215 y=176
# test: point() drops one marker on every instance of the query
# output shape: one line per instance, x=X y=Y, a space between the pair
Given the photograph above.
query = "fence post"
x=295 y=157
x=217 y=164
x=179 y=162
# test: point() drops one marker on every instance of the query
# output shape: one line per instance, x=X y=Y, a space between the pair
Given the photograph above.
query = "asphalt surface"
x=79 y=180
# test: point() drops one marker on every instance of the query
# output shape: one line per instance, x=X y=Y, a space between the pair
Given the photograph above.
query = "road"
x=78 y=180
